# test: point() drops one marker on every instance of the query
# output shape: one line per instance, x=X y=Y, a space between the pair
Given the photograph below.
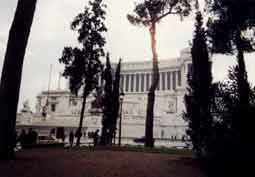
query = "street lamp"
x=121 y=101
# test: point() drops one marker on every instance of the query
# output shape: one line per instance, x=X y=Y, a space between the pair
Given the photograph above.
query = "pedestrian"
x=15 y=140
x=34 y=137
x=71 y=138
x=23 y=138
x=78 y=134
x=63 y=138
x=95 y=137
x=30 y=137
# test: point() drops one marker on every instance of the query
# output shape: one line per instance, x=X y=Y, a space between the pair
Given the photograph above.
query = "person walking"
x=71 y=138
x=23 y=138
x=95 y=137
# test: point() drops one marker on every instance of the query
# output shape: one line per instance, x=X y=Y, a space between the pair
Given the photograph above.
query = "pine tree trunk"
x=78 y=132
x=243 y=85
x=11 y=74
x=242 y=123
x=149 y=141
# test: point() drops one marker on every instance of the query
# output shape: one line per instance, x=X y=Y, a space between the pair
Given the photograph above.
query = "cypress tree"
x=107 y=103
x=199 y=97
x=116 y=100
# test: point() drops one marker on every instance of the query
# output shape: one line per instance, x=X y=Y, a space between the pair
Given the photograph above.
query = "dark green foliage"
x=199 y=97
x=83 y=65
x=230 y=19
x=12 y=73
x=227 y=33
x=81 y=70
x=229 y=99
x=97 y=103
x=116 y=99
x=107 y=103
x=232 y=145
x=110 y=102
x=148 y=13
x=152 y=11
x=224 y=136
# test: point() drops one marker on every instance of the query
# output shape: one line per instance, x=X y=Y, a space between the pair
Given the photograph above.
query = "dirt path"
x=78 y=163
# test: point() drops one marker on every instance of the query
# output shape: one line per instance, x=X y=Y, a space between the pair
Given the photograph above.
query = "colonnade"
x=141 y=82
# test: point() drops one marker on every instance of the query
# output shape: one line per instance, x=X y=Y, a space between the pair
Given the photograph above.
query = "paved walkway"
x=100 y=163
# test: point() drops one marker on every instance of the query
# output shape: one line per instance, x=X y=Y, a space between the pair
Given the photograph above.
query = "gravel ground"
x=97 y=163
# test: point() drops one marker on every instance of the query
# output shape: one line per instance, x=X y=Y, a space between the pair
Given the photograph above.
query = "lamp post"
x=121 y=101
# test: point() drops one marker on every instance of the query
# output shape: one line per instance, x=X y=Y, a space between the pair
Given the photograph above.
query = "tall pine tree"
x=148 y=13
x=83 y=65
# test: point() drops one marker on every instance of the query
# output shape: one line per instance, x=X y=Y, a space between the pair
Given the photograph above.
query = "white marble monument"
x=63 y=108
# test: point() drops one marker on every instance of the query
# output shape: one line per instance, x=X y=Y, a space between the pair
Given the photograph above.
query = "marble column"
x=124 y=82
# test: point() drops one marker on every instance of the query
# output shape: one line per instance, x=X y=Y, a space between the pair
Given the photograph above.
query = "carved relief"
x=171 y=106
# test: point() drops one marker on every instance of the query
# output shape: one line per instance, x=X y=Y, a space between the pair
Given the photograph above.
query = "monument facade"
x=63 y=108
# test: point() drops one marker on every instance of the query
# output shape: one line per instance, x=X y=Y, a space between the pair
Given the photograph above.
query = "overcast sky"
x=51 y=32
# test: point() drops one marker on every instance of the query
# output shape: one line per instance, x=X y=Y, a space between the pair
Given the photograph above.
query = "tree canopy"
x=152 y=11
x=231 y=19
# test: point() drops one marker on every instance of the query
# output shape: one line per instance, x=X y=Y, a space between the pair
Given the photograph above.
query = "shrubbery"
x=220 y=115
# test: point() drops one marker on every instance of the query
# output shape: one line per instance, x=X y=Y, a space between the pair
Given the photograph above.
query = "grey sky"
x=51 y=32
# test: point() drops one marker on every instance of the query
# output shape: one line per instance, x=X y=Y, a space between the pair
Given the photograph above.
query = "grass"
x=140 y=148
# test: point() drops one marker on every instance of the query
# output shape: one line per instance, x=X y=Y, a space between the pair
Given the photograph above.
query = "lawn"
x=60 y=162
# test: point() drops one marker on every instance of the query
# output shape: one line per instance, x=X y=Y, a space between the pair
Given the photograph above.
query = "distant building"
x=63 y=109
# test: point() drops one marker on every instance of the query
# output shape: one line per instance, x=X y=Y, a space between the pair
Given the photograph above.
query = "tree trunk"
x=243 y=123
x=11 y=74
x=78 y=132
x=243 y=85
x=104 y=134
x=149 y=141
